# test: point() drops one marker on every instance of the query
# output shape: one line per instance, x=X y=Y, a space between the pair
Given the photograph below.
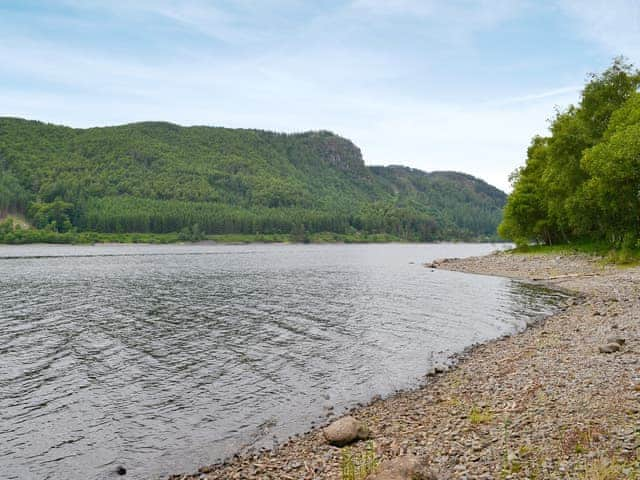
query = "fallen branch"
x=569 y=275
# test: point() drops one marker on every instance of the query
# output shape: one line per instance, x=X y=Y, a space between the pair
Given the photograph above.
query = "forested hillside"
x=582 y=182
x=159 y=177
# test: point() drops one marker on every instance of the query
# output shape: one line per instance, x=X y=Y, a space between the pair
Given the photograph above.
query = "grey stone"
x=344 y=431
x=609 y=348
x=406 y=467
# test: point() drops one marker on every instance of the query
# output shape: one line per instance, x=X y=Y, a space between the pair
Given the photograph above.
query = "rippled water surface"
x=165 y=358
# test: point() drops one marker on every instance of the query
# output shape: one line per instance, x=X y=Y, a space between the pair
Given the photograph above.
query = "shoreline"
x=256 y=240
x=544 y=403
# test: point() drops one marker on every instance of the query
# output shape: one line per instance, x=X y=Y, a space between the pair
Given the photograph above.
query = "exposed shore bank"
x=90 y=238
x=542 y=404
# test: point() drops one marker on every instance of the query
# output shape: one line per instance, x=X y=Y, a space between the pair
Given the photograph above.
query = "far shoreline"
x=258 y=240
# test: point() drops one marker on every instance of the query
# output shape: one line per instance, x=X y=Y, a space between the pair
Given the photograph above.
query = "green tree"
x=579 y=181
x=55 y=216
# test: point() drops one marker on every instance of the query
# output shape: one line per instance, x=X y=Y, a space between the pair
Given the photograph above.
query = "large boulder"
x=406 y=467
x=345 y=431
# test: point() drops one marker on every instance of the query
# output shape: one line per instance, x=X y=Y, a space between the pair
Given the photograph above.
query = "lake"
x=167 y=358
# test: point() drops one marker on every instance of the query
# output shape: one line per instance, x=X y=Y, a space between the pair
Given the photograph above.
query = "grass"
x=359 y=466
x=27 y=235
x=479 y=415
x=15 y=230
x=531 y=461
x=579 y=440
x=591 y=248
x=17 y=220
x=510 y=466
x=608 y=469
x=623 y=256
x=22 y=233
x=454 y=402
x=30 y=235
x=619 y=256
x=600 y=468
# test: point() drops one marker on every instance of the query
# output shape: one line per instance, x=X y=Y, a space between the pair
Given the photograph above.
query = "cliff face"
x=326 y=149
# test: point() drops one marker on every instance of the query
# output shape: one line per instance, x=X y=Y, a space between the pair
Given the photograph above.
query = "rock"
x=407 y=467
x=618 y=340
x=436 y=263
x=344 y=431
x=609 y=348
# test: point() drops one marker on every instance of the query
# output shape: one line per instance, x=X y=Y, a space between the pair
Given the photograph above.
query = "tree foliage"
x=157 y=177
x=583 y=180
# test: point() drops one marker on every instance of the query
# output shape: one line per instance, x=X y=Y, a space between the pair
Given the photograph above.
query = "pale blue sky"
x=456 y=85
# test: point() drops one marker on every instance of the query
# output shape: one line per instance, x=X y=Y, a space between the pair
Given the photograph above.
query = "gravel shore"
x=546 y=403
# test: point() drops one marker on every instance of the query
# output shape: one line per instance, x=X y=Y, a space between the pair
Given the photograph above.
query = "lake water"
x=166 y=358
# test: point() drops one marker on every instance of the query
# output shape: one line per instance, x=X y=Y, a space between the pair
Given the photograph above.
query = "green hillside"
x=158 y=177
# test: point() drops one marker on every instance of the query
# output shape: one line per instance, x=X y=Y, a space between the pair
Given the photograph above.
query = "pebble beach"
x=560 y=400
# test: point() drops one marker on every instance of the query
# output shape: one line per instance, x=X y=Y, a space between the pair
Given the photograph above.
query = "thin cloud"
x=400 y=78
x=536 y=96
x=193 y=15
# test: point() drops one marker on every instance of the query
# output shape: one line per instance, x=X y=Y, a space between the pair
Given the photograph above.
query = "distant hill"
x=160 y=177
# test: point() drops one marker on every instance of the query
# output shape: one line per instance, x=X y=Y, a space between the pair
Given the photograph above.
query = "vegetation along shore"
x=14 y=231
x=560 y=400
x=166 y=182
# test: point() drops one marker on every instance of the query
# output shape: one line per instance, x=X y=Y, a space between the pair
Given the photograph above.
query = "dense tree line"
x=13 y=197
x=466 y=206
x=157 y=177
x=582 y=182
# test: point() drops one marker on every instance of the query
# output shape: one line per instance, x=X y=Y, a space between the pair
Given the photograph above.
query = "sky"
x=432 y=84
